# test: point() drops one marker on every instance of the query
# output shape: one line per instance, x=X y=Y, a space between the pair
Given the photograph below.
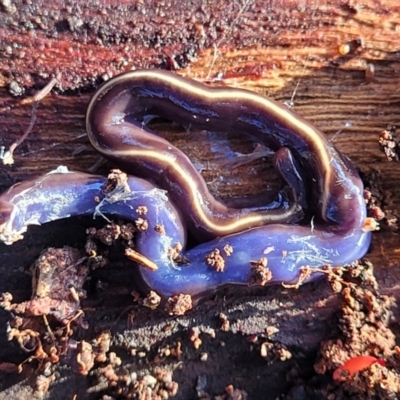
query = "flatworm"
x=321 y=181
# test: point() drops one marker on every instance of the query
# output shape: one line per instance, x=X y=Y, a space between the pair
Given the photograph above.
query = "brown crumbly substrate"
x=363 y=329
x=109 y=235
x=122 y=384
x=58 y=276
x=50 y=340
x=390 y=144
x=43 y=326
x=46 y=329
x=379 y=203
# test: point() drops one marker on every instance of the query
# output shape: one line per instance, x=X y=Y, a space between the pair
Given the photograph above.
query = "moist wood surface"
x=288 y=51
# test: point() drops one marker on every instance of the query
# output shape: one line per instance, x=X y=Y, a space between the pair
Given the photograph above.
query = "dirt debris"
x=379 y=202
x=362 y=333
x=390 y=143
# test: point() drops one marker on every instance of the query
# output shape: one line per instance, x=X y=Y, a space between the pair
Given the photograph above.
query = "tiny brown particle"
x=376 y=212
x=389 y=144
x=73 y=294
x=142 y=210
x=167 y=327
x=141 y=224
x=177 y=350
x=42 y=385
x=199 y=29
x=271 y=330
x=102 y=346
x=225 y=322
x=264 y=349
x=253 y=338
x=175 y=254
x=85 y=358
x=370 y=225
x=197 y=343
x=284 y=354
x=178 y=247
x=127 y=231
x=215 y=260
x=194 y=334
x=228 y=250
x=305 y=273
x=152 y=300
x=179 y=304
x=225 y=326
x=344 y=49
x=5 y=301
x=116 y=179
x=91 y=247
x=166 y=352
x=262 y=262
x=233 y=394
x=108 y=234
x=210 y=332
x=259 y=273
x=160 y=229
x=352 y=47
x=172 y=388
x=114 y=360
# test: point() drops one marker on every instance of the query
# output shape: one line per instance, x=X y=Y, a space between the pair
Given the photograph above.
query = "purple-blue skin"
x=61 y=194
x=323 y=182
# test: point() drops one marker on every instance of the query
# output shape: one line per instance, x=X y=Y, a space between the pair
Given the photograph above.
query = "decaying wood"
x=319 y=57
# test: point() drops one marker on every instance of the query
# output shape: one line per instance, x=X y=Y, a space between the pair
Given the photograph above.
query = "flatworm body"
x=63 y=194
x=320 y=182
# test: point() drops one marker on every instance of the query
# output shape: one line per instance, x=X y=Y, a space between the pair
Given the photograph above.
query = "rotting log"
x=320 y=57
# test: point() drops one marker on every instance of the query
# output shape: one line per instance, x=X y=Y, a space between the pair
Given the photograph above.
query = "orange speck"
x=354 y=365
x=370 y=225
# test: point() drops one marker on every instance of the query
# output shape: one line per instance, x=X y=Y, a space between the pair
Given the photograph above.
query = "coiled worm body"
x=322 y=181
x=115 y=127
x=63 y=194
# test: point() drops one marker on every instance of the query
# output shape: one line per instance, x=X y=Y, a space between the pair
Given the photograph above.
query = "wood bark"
x=319 y=56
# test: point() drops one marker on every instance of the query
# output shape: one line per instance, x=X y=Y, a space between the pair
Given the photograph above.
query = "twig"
x=7 y=156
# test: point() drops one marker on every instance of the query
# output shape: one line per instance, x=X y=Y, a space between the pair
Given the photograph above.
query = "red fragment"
x=354 y=365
